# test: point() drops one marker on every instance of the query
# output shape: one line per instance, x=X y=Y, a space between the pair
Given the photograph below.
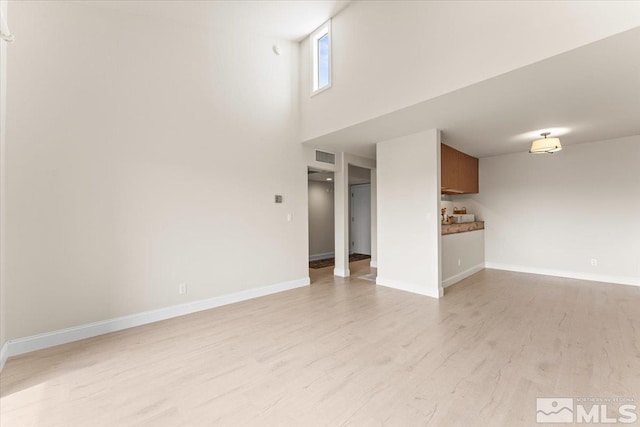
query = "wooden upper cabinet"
x=459 y=172
x=449 y=166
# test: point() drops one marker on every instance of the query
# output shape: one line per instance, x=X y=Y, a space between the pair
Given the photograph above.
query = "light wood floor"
x=345 y=352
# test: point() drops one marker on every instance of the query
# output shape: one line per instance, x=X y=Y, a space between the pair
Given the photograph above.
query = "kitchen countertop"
x=462 y=228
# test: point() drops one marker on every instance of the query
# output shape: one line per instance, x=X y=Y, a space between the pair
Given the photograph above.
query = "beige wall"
x=321 y=218
x=3 y=98
x=139 y=158
x=408 y=186
x=388 y=55
x=554 y=213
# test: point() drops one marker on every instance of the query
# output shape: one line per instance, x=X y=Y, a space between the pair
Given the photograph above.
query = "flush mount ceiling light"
x=545 y=145
x=329 y=179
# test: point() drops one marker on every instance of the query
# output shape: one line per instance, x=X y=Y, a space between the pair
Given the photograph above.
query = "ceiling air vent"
x=324 y=157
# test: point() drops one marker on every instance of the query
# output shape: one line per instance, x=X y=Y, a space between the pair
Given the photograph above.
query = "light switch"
x=289 y=217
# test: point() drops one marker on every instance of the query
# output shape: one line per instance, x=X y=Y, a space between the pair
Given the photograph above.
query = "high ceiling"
x=588 y=94
x=286 y=20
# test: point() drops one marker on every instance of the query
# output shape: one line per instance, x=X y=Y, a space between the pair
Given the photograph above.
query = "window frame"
x=314 y=38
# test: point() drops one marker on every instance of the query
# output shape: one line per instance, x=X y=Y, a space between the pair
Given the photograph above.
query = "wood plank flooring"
x=345 y=352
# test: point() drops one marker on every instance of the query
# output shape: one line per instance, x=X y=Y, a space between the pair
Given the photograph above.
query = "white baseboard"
x=620 y=280
x=462 y=275
x=407 y=287
x=4 y=355
x=63 y=336
x=373 y=264
x=316 y=257
x=341 y=272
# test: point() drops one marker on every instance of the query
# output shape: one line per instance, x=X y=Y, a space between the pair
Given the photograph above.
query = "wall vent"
x=325 y=157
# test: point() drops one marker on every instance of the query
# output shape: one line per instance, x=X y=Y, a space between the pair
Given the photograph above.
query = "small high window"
x=321 y=58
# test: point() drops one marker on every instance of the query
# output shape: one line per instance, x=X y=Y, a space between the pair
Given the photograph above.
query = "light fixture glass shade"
x=545 y=146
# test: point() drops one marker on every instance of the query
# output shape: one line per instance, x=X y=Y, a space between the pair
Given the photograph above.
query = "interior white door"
x=361 y=219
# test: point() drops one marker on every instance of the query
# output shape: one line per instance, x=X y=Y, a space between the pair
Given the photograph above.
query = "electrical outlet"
x=594 y=262
x=182 y=288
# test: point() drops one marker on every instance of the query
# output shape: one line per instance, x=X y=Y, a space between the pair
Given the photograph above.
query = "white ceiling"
x=591 y=93
x=287 y=20
x=588 y=94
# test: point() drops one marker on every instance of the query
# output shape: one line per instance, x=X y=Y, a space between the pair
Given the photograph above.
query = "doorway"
x=359 y=213
x=330 y=190
x=321 y=219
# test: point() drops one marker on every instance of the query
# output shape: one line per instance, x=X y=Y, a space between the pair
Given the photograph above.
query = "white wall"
x=321 y=220
x=310 y=157
x=388 y=55
x=139 y=158
x=552 y=214
x=408 y=184
x=462 y=255
x=374 y=218
x=3 y=100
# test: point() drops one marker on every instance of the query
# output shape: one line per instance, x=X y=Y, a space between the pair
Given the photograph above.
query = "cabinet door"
x=461 y=166
x=459 y=171
x=475 y=168
x=469 y=174
x=449 y=167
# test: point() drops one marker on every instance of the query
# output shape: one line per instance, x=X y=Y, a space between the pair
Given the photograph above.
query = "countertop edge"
x=462 y=227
